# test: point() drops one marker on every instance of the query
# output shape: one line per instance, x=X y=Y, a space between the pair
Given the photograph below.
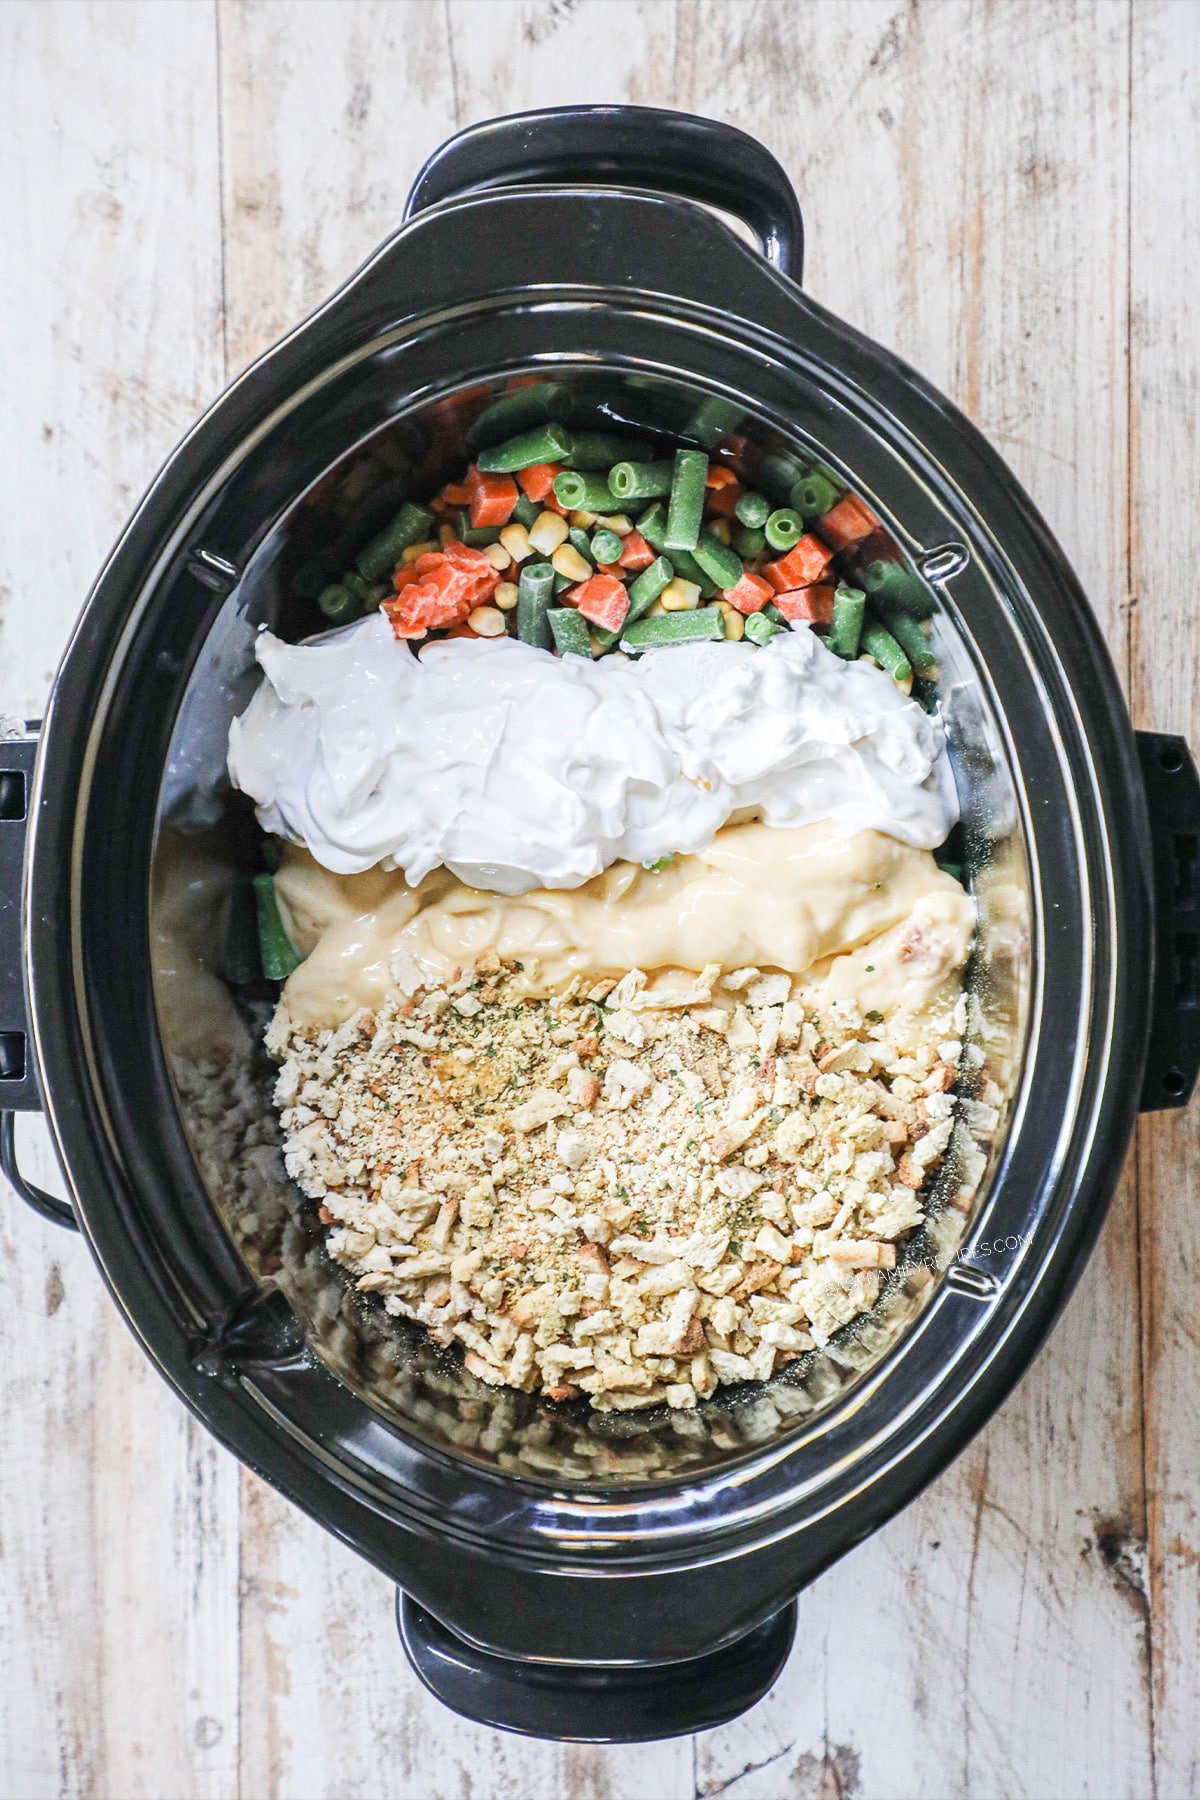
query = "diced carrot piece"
x=847 y=522
x=456 y=493
x=461 y=631
x=440 y=588
x=812 y=604
x=602 y=599
x=750 y=594
x=635 y=552
x=718 y=476
x=492 y=498
x=538 y=480
x=805 y=562
x=723 y=500
x=552 y=503
x=609 y=569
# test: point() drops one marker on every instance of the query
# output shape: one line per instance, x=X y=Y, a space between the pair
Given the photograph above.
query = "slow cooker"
x=565 y=1573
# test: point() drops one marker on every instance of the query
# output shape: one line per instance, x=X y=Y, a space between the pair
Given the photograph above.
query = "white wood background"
x=1007 y=194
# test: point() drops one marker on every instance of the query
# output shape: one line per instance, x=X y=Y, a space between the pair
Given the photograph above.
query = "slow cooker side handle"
x=592 y=1703
x=634 y=146
x=1173 y=803
x=18 y=1082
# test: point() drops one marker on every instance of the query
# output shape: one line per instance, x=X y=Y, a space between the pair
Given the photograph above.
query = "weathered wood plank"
x=962 y=169
x=118 y=1653
x=1164 y=542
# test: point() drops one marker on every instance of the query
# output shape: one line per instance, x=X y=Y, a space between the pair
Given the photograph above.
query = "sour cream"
x=518 y=770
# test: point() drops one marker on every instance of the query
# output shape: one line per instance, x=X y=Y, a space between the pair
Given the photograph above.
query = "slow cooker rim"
x=101 y=592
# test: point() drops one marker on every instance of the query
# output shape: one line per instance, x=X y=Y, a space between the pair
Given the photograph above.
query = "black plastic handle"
x=18 y=1082
x=1173 y=800
x=589 y=1703
x=631 y=146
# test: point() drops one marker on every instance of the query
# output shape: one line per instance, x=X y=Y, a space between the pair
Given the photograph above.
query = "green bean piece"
x=878 y=642
x=706 y=623
x=411 y=525
x=752 y=509
x=278 y=953
x=521 y=410
x=685 y=509
x=579 y=540
x=478 y=536
x=242 y=962
x=712 y=420
x=814 y=494
x=599 y=450
x=784 y=528
x=585 y=493
x=653 y=526
x=842 y=637
x=545 y=443
x=526 y=510
x=908 y=634
x=562 y=582
x=778 y=474
x=534 y=591
x=570 y=631
x=772 y=612
x=641 y=481
x=886 y=576
x=605 y=546
x=646 y=587
x=338 y=604
x=719 y=562
x=759 y=629
x=367 y=593
x=749 y=541
x=643 y=592
x=953 y=869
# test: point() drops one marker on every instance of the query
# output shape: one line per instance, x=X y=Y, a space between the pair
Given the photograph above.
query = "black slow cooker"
x=565 y=1573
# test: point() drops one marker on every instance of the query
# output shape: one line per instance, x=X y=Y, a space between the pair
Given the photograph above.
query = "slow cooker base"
x=591 y=1704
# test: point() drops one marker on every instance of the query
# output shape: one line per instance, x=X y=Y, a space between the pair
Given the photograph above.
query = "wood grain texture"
x=985 y=191
x=118 y=1515
x=1165 y=455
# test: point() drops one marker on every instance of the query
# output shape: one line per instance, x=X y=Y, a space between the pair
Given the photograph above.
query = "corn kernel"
x=506 y=595
x=497 y=555
x=621 y=523
x=515 y=539
x=655 y=609
x=582 y=520
x=446 y=535
x=680 y=595
x=547 y=532
x=488 y=621
x=414 y=550
x=734 y=623
x=722 y=530
x=568 y=561
x=906 y=685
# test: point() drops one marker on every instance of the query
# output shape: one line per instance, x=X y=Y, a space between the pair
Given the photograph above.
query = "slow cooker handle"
x=1173 y=803
x=634 y=146
x=18 y=1081
x=595 y=1703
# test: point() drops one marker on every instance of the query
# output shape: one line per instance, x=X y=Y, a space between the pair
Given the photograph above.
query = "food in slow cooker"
x=589 y=544
x=623 y=1000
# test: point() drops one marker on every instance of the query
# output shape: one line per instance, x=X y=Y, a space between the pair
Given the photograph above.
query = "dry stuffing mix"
x=596 y=1194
